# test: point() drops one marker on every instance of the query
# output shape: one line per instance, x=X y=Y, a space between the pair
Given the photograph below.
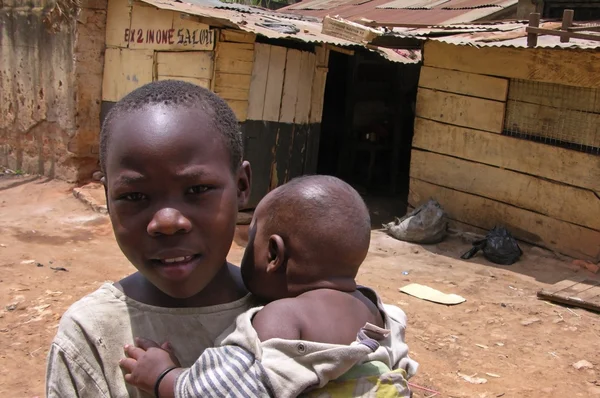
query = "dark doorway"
x=367 y=128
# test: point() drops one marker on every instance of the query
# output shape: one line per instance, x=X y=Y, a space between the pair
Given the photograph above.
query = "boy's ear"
x=105 y=185
x=244 y=184
x=276 y=253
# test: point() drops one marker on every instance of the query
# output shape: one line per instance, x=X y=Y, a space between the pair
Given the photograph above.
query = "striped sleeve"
x=224 y=372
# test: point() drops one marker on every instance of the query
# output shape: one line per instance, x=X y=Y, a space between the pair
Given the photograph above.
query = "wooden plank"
x=158 y=29
x=555 y=95
x=562 y=34
x=566 y=238
x=195 y=64
x=553 y=123
x=298 y=152
x=191 y=34
x=283 y=152
x=274 y=84
x=557 y=164
x=236 y=51
x=240 y=108
x=347 y=30
x=200 y=82
x=124 y=71
x=232 y=93
x=577 y=289
x=319 y=83
x=237 y=36
x=307 y=70
x=227 y=65
x=590 y=293
x=559 y=201
x=290 y=86
x=592 y=306
x=258 y=83
x=118 y=22
x=460 y=110
x=573 y=67
x=231 y=80
x=259 y=142
x=564 y=284
x=464 y=83
x=313 y=136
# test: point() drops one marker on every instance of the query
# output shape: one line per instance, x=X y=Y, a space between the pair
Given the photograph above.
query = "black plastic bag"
x=498 y=247
x=427 y=224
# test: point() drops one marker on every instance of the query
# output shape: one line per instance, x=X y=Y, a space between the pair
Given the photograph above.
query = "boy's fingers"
x=166 y=346
x=145 y=343
x=134 y=352
x=128 y=364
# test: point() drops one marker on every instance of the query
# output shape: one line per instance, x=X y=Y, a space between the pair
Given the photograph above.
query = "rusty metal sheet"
x=414 y=4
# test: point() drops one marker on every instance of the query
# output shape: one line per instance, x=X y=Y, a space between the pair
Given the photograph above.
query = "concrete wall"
x=50 y=89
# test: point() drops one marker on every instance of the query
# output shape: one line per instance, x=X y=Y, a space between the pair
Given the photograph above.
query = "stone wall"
x=50 y=89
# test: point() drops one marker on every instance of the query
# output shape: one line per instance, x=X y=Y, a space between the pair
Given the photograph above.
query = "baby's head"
x=313 y=232
x=171 y=153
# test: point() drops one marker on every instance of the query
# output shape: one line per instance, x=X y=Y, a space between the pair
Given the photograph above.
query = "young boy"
x=307 y=241
x=171 y=153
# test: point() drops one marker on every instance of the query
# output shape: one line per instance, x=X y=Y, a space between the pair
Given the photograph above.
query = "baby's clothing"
x=243 y=366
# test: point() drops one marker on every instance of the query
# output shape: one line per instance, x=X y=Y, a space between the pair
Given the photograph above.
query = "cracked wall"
x=50 y=89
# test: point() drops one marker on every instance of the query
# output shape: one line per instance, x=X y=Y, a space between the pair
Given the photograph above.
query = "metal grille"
x=554 y=114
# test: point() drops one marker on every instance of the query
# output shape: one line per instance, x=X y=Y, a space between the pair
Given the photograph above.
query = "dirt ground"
x=43 y=226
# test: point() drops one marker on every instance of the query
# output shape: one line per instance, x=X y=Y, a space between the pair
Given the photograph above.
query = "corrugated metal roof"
x=509 y=34
x=426 y=12
x=271 y=24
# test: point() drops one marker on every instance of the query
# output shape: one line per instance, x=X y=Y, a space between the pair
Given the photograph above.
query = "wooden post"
x=566 y=24
x=534 y=22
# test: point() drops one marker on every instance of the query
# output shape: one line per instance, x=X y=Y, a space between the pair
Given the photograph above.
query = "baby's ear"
x=276 y=253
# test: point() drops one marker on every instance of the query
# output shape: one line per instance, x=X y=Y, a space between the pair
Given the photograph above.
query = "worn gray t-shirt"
x=84 y=357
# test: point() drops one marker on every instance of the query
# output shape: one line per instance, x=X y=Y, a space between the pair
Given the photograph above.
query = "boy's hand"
x=145 y=362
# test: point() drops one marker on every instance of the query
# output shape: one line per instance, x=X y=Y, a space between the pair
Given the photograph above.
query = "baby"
x=307 y=241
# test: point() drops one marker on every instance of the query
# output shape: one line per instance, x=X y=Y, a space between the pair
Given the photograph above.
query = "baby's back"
x=322 y=315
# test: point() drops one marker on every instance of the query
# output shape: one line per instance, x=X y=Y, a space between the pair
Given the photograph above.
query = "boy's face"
x=172 y=196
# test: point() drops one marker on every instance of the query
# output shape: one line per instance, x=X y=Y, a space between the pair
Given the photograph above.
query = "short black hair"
x=178 y=93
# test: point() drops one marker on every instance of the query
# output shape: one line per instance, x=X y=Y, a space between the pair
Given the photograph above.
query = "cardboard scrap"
x=430 y=294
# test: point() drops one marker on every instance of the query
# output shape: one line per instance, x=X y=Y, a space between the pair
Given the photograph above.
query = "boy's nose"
x=168 y=221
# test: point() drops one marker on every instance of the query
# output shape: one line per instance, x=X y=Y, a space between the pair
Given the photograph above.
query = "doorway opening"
x=367 y=129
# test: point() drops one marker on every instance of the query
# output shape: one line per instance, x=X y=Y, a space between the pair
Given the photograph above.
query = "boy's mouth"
x=176 y=268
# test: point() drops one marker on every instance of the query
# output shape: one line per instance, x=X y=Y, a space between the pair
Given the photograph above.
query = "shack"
x=273 y=71
x=510 y=135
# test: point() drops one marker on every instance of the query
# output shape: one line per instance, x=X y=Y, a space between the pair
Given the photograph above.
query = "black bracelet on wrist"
x=160 y=378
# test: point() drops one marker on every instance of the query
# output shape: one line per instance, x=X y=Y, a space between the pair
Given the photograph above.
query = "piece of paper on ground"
x=430 y=294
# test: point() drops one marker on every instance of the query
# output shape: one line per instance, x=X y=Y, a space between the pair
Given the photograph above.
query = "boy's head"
x=171 y=155
x=313 y=232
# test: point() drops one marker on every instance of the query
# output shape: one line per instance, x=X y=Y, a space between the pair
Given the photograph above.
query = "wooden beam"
x=274 y=84
x=534 y=22
x=566 y=23
x=554 y=163
x=464 y=83
x=238 y=36
x=566 y=238
x=460 y=110
x=290 y=86
x=258 y=85
x=562 y=34
x=559 y=201
x=580 y=68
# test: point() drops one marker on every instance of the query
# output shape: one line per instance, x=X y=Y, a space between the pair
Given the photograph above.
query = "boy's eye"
x=197 y=189
x=133 y=197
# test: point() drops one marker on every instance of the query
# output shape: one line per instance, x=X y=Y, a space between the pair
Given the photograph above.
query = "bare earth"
x=485 y=337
